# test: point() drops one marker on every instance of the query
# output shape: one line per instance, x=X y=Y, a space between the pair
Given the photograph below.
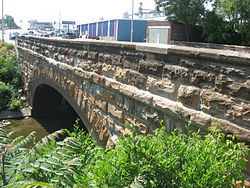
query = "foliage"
x=228 y=22
x=15 y=104
x=238 y=13
x=10 y=74
x=6 y=92
x=187 y=12
x=9 y=20
x=217 y=30
x=6 y=46
x=158 y=160
x=16 y=154
x=174 y=160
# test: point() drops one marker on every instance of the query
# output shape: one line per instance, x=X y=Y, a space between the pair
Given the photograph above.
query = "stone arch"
x=57 y=95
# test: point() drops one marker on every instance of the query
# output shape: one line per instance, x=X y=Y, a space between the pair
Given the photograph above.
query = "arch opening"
x=53 y=111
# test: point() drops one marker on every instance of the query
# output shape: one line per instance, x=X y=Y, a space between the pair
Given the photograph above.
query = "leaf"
x=24 y=184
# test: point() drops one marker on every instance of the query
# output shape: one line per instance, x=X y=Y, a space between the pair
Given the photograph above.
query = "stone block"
x=202 y=78
x=108 y=70
x=93 y=56
x=133 y=123
x=214 y=103
x=98 y=79
x=115 y=111
x=101 y=104
x=80 y=97
x=113 y=97
x=189 y=95
x=117 y=60
x=96 y=89
x=91 y=98
x=130 y=64
x=163 y=87
x=175 y=72
x=82 y=54
x=131 y=77
x=151 y=67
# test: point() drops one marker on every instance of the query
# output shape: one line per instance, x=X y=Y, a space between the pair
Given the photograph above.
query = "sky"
x=80 y=11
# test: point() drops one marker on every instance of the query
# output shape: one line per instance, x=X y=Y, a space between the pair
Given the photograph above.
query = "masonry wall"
x=115 y=83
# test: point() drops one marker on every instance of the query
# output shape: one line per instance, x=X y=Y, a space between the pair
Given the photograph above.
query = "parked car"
x=13 y=35
x=31 y=33
x=70 y=36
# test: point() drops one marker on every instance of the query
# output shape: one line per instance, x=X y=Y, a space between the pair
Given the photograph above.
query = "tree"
x=238 y=13
x=187 y=12
x=9 y=21
x=217 y=30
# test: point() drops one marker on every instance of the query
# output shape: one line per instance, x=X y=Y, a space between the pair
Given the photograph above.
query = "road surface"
x=7 y=33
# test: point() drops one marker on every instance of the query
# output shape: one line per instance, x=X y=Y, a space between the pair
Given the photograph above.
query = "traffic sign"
x=69 y=22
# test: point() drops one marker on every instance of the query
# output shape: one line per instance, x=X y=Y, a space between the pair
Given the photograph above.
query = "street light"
x=2 y=23
x=132 y=23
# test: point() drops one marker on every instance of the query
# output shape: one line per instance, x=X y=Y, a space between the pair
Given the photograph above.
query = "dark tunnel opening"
x=53 y=111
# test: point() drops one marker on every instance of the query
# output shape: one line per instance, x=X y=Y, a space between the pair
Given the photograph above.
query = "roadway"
x=6 y=35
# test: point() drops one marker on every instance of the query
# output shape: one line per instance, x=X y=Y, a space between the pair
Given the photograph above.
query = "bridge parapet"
x=115 y=82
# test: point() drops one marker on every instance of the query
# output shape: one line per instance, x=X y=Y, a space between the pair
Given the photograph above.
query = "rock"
x=164 y=87
x=189 y=95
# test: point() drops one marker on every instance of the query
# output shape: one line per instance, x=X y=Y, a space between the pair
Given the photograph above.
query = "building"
x=43 y=26
x=115 y=30
x=164 y=32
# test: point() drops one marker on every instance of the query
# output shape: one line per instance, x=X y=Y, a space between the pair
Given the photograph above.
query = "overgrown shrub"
x=10 y=75
x=6 y=92
x=15 y=104
x=6 y=45
x=10 y=72
x=160 y=160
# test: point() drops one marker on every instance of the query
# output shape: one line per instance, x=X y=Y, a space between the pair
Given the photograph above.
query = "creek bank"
x=22 y=113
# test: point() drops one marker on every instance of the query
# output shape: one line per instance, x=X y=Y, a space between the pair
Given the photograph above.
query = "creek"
x=41 y=125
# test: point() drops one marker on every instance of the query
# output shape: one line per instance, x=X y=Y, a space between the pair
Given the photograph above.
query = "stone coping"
x=222 y=55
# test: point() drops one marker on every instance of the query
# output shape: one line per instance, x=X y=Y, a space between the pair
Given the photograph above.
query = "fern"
x=16 y=158
x=29 y=185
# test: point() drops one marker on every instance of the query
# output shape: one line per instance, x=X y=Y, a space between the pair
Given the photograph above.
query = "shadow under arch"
x=48 y=98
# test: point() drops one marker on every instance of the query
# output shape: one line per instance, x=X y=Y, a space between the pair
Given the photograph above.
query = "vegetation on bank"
x=10 y=78
x=161 y=159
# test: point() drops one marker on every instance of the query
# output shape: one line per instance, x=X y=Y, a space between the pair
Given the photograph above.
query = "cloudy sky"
x=75 y=10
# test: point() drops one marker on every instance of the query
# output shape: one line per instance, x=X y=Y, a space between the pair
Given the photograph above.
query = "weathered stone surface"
x=93 y=56
x=174 y=72
x=101 y=104
x=129 y=63
x=164 y=88
x=189 y=95
x=222 y=105
x=151 y=67
x=114 y=111
x=109 y=70
x=131 y=77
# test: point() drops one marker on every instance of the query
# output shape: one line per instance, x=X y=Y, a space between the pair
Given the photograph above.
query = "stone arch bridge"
x=111 y=83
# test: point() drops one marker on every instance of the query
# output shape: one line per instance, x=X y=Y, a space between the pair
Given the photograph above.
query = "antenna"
x=140 y=11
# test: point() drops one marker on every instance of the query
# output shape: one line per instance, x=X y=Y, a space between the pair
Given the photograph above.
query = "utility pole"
x=59 y=22
x=2 y=24
x=132 y=23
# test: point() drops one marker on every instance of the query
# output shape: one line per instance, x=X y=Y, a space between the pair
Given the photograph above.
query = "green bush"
x=10 y=76
x=6 y=92
x=10 y=72
x=159 y=160
x=15 y=104
x=6 y=45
